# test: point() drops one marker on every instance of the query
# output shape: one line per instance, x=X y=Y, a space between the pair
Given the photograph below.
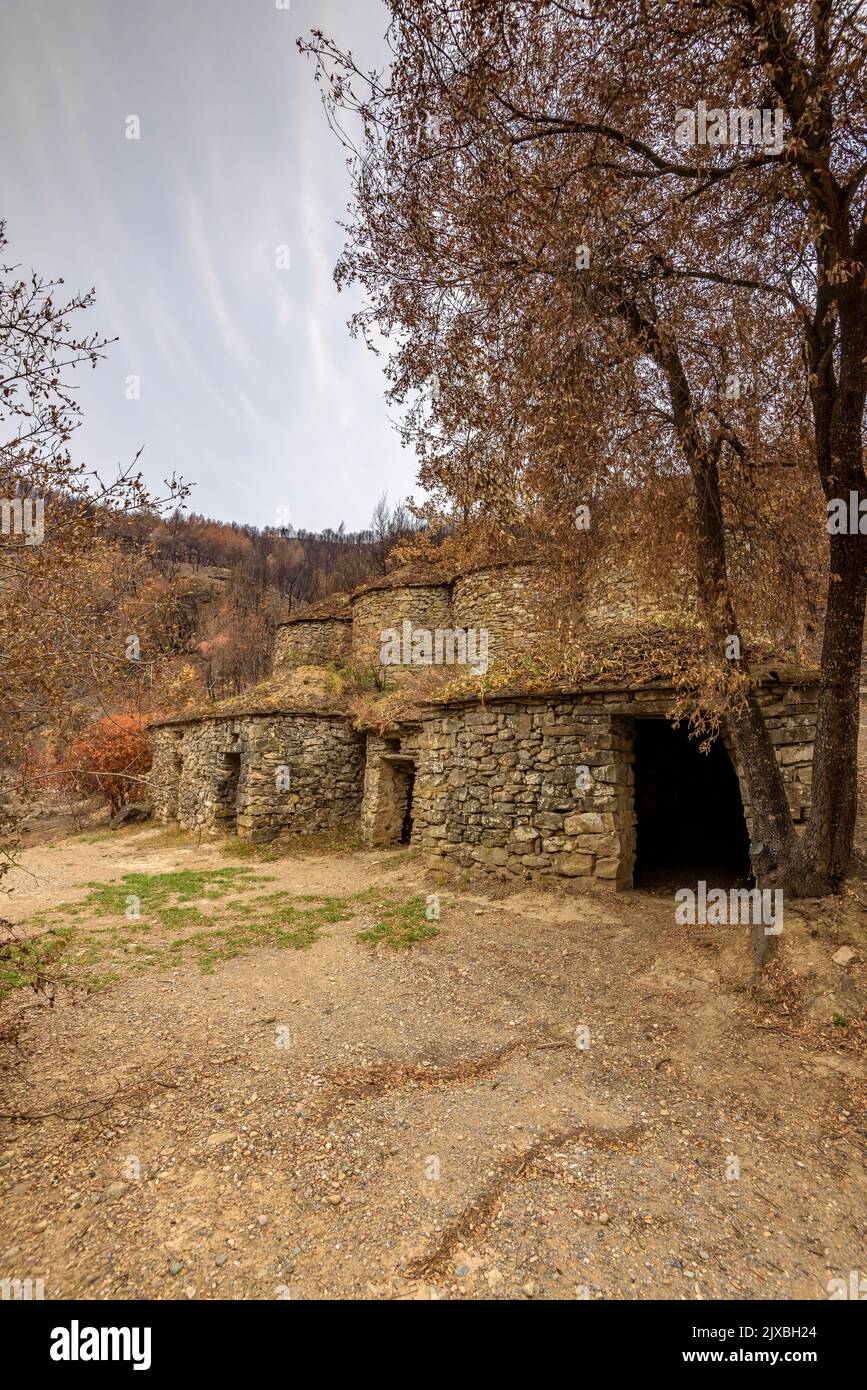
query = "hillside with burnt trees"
x=231 y=584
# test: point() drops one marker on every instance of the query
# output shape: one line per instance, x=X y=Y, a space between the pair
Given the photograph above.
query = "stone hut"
x=257 y=773
x=586 y=783
x=511 y=601
x=418 y=597
x=581 y=784
x=319 y=634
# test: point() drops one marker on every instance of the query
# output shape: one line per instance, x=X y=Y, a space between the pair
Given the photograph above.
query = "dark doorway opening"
x=226 y=808
x=689 y=814
x=392 y=811
x=406 y=823
x=175 y=784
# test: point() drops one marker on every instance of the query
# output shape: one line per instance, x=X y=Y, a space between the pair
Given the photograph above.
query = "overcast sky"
x=250 y=384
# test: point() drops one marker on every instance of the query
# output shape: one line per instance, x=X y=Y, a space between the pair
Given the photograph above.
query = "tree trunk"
x=773 y=834
x=838 y=413
x=827 y=846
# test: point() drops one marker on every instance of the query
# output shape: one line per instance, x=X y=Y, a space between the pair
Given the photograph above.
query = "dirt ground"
x=554 y=1097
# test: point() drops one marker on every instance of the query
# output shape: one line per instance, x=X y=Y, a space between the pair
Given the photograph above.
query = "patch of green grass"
x=401 y=924
x=30 y=963
x=176 y=918
x=270 y=921
x=97 y=983
x=839 y=1020
x=83 y=948
x=157 y=892
x=80 y=950
x=95 y=955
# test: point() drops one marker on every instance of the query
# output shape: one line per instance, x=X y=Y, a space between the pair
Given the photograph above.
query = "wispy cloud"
x=251 y=385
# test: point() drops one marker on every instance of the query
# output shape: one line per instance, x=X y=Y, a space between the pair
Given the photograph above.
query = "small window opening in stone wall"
x=690 y=821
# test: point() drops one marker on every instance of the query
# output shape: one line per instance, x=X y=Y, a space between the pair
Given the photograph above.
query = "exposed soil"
x=350 y=1121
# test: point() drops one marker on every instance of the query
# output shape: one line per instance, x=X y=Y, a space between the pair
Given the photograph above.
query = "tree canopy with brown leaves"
x=620 y=257
x=76 y=606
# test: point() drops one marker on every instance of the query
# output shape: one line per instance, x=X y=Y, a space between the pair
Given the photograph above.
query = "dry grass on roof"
x=520 y=556
x=631 y=655
x=407 y=577
x=334 y=607
x=628 y=653
x=319 y=689
x=613 y=655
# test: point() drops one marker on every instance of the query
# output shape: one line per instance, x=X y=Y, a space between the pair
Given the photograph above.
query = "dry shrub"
x=111 y=759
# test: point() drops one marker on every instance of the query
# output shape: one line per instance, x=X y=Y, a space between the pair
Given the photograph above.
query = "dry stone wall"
x=375 y=611
x=312 y=643
x=537 y=788
x=511 y=602
x=259 y=775
x=500 y=788
x=503 y=789
x=790 y=714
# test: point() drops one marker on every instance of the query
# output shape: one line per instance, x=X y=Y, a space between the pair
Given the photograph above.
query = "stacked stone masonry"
x=536 y=789
x=259 y=776
x=375 y=611
x=493 y=786
x=511 y=603
x=502 y=787
x=312 y=643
